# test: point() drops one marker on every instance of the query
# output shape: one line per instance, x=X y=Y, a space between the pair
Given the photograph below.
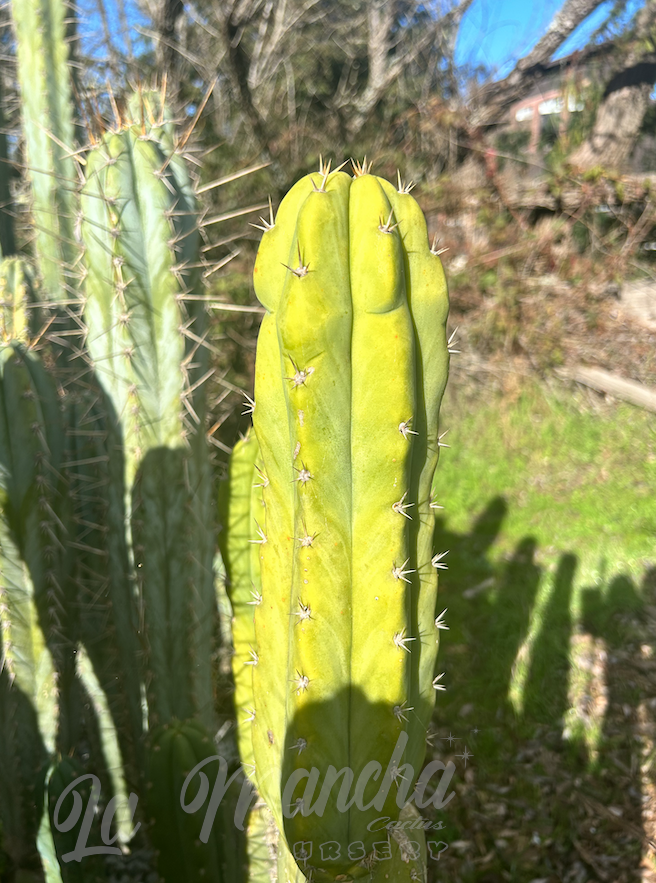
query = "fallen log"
x=611 y=384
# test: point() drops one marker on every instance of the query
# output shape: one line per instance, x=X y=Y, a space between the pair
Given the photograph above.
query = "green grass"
x=550 y=517
x=550 y=521
x=575 y=480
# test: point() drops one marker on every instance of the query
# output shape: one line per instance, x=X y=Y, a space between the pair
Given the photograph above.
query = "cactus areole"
x=352 y=361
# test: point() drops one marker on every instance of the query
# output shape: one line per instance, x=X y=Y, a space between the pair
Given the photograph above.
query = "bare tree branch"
x=232 y=21
x=164 y=15
x=112 y=51
x=125 y=29
x=563 y=24
x=168 y=13
x=388 y=58
x=296 y=60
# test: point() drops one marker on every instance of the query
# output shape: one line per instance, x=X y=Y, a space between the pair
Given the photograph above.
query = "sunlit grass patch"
x=551 y=518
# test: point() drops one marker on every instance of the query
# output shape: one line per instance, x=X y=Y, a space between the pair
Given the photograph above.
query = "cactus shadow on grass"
x=547 y=703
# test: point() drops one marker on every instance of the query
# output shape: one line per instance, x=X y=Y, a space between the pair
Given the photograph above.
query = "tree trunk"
x=166 y=18
x=616 y=129
x=388 y=58
x=164 y=15
x=232 y=29
x=624 y=103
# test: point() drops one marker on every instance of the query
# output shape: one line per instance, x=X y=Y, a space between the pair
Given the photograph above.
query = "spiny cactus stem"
x=432 y=504
x=266 y=225
x=387 y=226
x=360 y=169
x=400 y=506
x=404 y=429
x=262 y=536
x=401 y=640
x=399 y=711
x=302 y=270
x=404 y=188
x=434 y=250
x=439 y=622
x=436 y=682
x=401 y=573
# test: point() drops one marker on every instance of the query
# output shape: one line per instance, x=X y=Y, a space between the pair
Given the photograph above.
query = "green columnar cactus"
x=110 y=536
x=34 y=573
x=351 y=365
x=35 y=562
x=24 y=762
x=146 y=342
x=28 y=706
x=7 y=234
x=92 y=868
x=111 y=738
x=147 y=109
x=240 y=511
x=401 y=857
x=187 y=851
x=107 y=623
x=138 y=227
x=27 y=657
x=42 y=48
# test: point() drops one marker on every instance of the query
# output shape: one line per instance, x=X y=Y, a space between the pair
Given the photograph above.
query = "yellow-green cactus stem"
x=240 y=513
x=351 y=365
x=429 y=305
x=261 y=840
x=270 y=417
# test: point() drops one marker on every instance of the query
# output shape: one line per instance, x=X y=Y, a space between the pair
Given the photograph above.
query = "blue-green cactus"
x=146 y=345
